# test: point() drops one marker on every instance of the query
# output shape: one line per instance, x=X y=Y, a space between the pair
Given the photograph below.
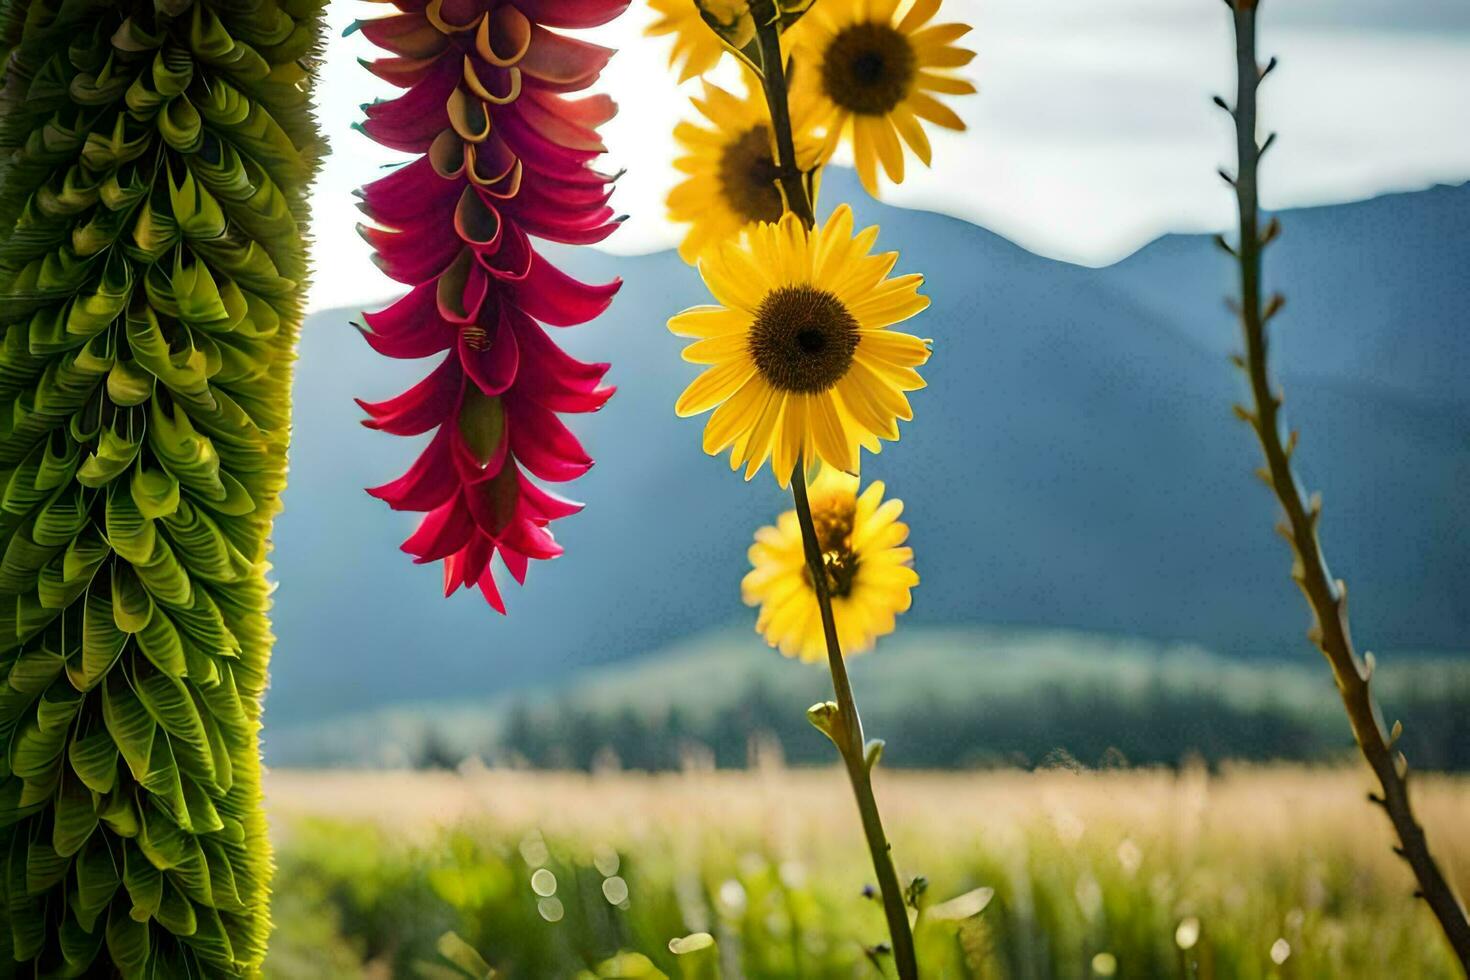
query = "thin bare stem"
x=1326 y=596
x=845 y=727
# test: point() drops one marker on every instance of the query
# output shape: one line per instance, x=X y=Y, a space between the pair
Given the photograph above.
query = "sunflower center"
x=833 y=520
x=802 y=339
x=869 y=68
x=748 y=176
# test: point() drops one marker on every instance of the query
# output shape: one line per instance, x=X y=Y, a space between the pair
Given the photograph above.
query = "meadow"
x=1248 y=872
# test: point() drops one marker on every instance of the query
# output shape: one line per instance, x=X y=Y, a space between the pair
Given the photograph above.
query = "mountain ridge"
x=1073 y=464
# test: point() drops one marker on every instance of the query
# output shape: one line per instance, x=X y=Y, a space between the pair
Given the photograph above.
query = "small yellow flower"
x=874 y=75
x=802 y=365
x=696 y=48
x=731 y=167
x=869 y=570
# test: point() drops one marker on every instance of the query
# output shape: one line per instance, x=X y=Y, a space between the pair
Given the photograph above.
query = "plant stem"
x=847 y=735
x=773 y=81
x=847 y=732
x=1326 y=597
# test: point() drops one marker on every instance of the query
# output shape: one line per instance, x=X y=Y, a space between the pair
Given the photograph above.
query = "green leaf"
x=162 y=645
x=76 y=816
x=127 y=941
x=129 y=723
x=44 y=867
x=102 y=641
x=222 y=887
x=163 y=782
x=155 y=492
x=144 y=884
x=130 y=533
x=120 y=815
x=93 y=758
x=132 y=607
x=176 y=913
x=98 y=878
x=35 y=752
x=79 y=946
x=170 y=703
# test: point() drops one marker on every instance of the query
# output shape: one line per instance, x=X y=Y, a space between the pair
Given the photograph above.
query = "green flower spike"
x=154 y=160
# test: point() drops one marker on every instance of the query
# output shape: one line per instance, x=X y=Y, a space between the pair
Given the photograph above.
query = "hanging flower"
x=869 y=570
x=504 y=155
x=874 y=76
x=731 y=168
x=801 y=363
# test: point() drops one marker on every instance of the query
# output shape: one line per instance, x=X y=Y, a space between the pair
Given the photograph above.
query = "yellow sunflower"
x=696 y=48
x=874 y=76
x=802 y=366
x=869 y=570
x=731 y=167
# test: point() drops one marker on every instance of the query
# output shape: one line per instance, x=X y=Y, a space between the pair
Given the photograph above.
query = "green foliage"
x=944 y=699
x=153 y=164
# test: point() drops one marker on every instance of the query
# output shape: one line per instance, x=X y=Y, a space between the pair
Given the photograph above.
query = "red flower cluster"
x=505 y=154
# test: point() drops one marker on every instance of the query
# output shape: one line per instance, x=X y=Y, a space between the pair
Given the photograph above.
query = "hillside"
x=1074 y=463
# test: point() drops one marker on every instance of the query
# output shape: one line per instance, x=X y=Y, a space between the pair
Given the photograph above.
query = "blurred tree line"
x=1061 y=724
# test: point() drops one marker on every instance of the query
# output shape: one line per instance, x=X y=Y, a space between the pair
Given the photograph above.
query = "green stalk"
x=1325 y=596
x=154 y=164
x=841 y=722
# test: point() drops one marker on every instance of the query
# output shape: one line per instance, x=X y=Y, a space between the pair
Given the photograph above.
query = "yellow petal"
x=716 y=350
x=735 y=416
x=892 y=347
x=832 y=444
x=945 y=84
x=708 y=321
x=927 y=107
x=713 y=387
x=918 y=15
x=889 y=150
x=912 y=132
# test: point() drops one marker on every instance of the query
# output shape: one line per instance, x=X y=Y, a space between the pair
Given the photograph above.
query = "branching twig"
x=1327 y=597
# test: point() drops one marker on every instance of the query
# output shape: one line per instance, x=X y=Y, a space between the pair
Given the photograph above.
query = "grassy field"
x=1276 y=872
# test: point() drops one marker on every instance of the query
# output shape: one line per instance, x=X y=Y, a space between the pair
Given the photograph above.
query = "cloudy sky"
x=1093 y=132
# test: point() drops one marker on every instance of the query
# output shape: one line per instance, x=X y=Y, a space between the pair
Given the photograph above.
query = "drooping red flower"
x=504 y=155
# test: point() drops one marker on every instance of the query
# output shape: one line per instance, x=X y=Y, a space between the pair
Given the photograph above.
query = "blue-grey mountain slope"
x=1073 y=463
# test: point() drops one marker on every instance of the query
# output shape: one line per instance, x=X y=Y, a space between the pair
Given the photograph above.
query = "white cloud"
x=1093 y=132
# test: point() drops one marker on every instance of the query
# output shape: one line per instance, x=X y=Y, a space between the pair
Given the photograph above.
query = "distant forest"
x=1060 y=725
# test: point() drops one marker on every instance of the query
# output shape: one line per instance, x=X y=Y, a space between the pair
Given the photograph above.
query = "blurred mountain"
x=1073 y=463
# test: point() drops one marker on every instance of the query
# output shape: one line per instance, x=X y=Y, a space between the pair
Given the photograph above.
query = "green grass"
x=1089 y=872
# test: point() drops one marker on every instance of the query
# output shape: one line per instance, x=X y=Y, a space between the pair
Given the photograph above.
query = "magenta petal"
x=554 y=297
x=453 y=226
x=544 y=504
x=515 y=563
x=543 y=444
x=490 y=592
x=410 y=328
x=531 y=541
x=572 y=13
x=421 y=407
x=429 y=482
x=492 y=368
x=443 y=532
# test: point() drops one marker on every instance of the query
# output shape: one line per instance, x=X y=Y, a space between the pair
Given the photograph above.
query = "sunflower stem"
x=847 y=735
x=1326 y=597
x=773 y=82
